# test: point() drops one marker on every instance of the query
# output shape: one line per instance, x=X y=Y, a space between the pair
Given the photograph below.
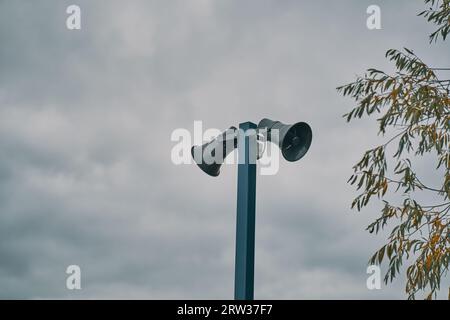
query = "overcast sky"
x=86 y=176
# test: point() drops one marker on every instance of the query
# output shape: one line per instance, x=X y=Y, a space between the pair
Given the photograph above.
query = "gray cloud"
x=85 y=124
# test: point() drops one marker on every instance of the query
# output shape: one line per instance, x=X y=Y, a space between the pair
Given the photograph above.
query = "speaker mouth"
x=296 y=141
x=212 y=170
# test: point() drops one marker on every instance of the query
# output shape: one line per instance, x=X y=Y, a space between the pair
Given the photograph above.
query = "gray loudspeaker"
x=205 y=155
x=293 y=140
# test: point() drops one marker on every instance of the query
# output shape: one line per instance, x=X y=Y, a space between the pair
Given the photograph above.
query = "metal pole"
x=245 y=220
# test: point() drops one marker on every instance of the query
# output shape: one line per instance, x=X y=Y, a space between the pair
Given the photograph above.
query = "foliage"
x=414 y=103
x=439 y=14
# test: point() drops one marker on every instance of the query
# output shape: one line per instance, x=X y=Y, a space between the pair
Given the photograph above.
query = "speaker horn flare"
x=293 y=140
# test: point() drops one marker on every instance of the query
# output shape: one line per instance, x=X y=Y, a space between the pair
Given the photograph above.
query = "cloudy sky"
x=86 y=116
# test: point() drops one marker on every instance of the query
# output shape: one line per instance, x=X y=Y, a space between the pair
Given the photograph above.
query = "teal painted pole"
x=245 y=217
